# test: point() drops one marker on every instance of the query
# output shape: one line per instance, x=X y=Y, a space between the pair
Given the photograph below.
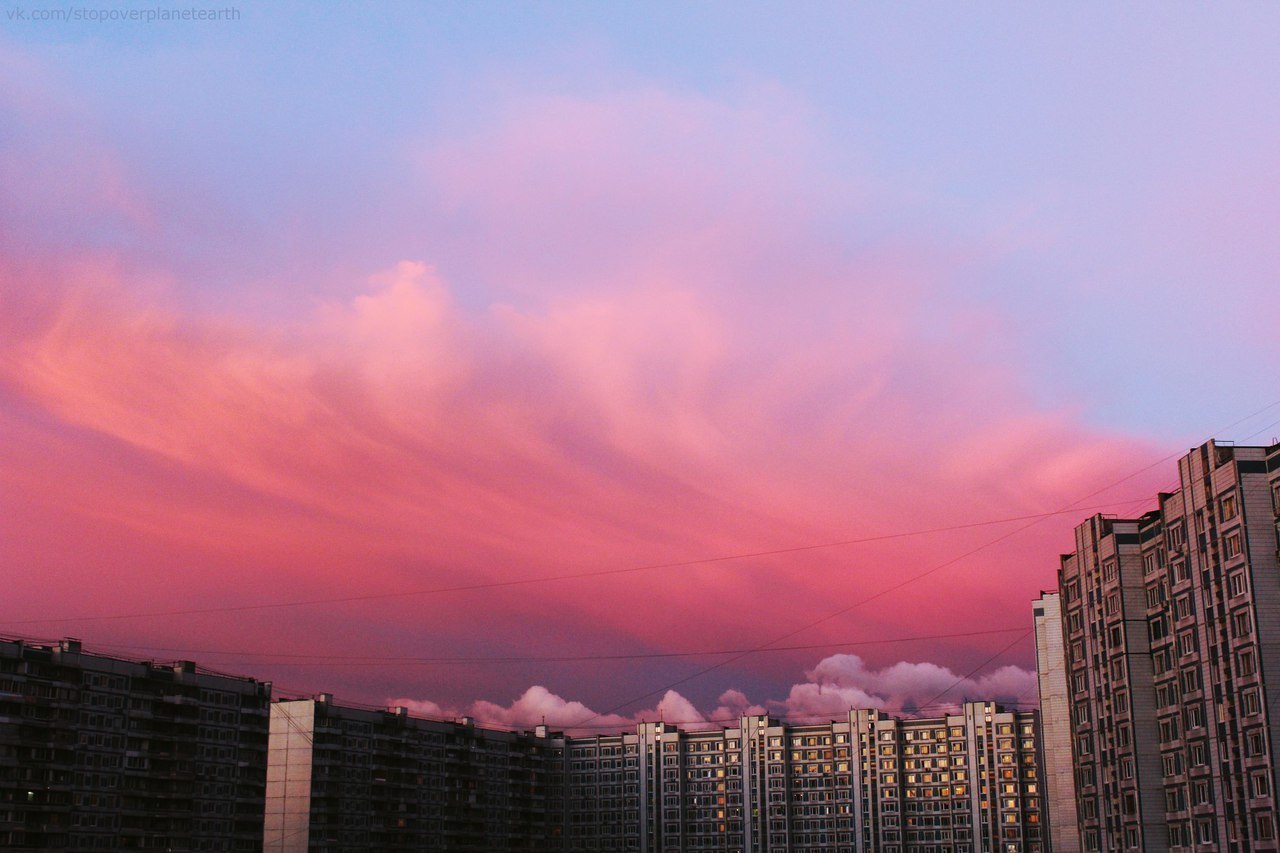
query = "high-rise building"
x=1172 y=654
x=1055 y=726
x=103 y=753
x=347 y=778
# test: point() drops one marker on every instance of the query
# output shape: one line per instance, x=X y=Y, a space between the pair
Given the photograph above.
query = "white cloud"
x=836 y=684
x=906 y=687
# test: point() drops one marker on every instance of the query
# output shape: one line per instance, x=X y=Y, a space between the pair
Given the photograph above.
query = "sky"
x=593 y=363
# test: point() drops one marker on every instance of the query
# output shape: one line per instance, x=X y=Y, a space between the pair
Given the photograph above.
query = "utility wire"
x=322 y=660
x=962 y=679
x=563 y=577
x=1073 y=506
x=1034 y=518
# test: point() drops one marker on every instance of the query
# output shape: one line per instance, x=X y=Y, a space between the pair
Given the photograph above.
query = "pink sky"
x=570 y=332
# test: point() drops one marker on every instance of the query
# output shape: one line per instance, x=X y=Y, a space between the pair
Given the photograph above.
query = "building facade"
x=347 y=778
x=355 y=779
x=102 y=753
x=1055 y=726
x=1172 y=653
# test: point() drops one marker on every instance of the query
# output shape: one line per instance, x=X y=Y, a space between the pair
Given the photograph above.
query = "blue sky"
x=1116 y=163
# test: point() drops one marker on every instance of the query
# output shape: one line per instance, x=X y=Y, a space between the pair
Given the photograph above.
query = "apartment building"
x=103 y=753
x=345 y=778
x=1172 y=653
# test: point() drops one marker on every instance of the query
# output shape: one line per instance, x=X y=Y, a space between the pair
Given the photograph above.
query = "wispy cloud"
x=668 y=356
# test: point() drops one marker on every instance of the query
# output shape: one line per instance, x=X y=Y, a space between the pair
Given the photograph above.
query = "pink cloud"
x=539 y=706
x=834 y=686
x=926 y=687
x=673 y=368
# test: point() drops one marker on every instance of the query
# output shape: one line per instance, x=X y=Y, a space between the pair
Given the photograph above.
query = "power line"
x=320 y=660
x=962 y=679
x=563 y=577
x=1034 y=520
x=1262 y=430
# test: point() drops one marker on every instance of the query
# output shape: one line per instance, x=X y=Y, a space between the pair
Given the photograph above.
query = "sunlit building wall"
x=1172 y=634
x=1055 y=726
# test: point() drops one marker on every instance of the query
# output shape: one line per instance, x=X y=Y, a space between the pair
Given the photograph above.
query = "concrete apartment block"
x=1172 y=655
x=102 y=753
x=344 y=778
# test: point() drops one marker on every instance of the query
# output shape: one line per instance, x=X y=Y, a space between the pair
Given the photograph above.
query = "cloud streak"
x=655 y=352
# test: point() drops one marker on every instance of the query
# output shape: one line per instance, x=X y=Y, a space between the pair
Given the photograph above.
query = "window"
x=1231 y=546
x=1179 y=570
x=1182 y=606
x=1227 y=507
x=1177 y=536
x=1109 y=570
x=1186 y=643
x=1259 y=786
x=1241 y=623
x=1195 y=716
x=1246 y=664
x=1190 y=680
x=1249 y=702
x=1237 y=584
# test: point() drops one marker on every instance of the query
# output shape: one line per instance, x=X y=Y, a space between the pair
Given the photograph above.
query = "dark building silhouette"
x=101 y=753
